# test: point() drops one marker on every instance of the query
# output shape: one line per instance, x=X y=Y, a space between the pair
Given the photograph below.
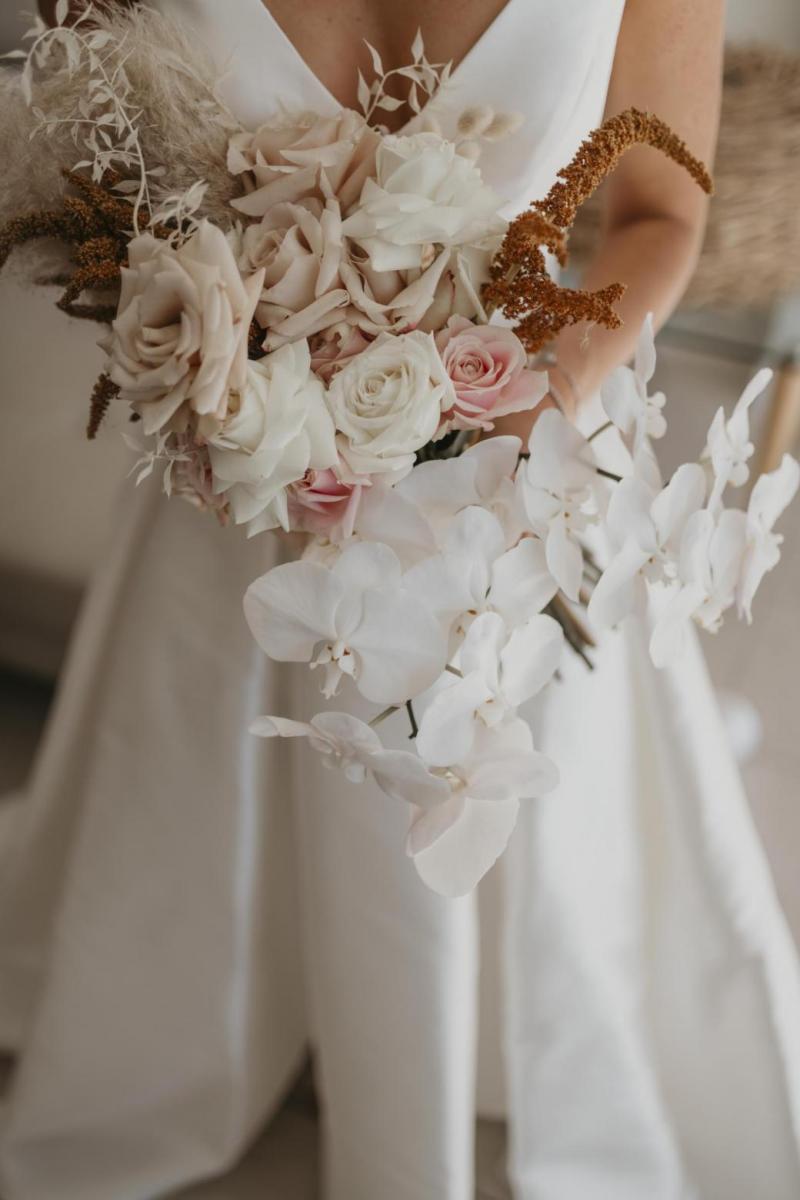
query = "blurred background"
x=57 y=491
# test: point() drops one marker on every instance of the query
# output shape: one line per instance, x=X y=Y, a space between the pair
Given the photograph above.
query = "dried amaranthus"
x=95 y=225
x=521 y=285
x=105 y=390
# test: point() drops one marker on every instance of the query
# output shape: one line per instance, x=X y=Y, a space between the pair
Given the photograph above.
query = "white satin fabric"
x=185 y=908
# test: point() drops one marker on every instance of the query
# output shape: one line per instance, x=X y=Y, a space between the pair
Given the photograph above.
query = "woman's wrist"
x=564 y=389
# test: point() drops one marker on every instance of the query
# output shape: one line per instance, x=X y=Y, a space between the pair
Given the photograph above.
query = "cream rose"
x=387 y=403
x=424 y=194
x=282 y=159
x=180 y=335
x=299 y=246
x=275 y=430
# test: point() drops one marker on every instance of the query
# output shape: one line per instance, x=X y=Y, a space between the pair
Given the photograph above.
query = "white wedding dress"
x=185 y=908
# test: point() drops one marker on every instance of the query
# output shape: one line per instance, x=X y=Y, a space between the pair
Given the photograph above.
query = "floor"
x=762 y=664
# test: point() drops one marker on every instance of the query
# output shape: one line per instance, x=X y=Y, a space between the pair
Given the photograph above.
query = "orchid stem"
x=601 y=429
x=387 y=712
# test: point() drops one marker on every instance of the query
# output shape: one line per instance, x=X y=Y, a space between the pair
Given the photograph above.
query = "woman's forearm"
x=654 y=257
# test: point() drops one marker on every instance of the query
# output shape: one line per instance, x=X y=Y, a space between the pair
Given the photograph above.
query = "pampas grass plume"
x=184 y=128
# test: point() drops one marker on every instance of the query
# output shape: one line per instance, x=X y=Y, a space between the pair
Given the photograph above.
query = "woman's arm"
x=668 y=61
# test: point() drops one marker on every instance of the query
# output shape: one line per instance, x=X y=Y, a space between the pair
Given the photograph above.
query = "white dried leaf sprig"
x=425 y=81
x=102 y=121
x=180 y=212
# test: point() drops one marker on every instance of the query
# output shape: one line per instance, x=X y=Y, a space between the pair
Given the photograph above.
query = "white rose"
x=387 y=403
x=424 y=193
x=276 y=429
x=180 y=335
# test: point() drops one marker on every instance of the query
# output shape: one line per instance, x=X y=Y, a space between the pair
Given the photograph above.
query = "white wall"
x=776 y=21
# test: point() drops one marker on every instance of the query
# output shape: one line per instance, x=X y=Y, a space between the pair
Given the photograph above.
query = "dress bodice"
x=549 y=61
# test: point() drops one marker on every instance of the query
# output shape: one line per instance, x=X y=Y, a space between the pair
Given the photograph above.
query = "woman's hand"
x=562 y=395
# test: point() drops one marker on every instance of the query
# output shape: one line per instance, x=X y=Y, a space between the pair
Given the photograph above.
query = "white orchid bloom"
x=345 y=743
x=455 y=582
x=485 y=576
x=475 y=539
x=355 y=618
x=709 y=568
x=413 y=517
x=455 y=843
x=521 y=584
x=351 y=746
x=496 y=460
x=556 y=485
x=480 y=476
x=771 y=495
x=386 y=515
x=646 y=528
x=464 y=567
x=728 y=447
x=447 y=581
x=627 y=404
x=501 y=670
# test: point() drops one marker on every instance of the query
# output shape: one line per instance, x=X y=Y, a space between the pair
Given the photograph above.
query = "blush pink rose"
x=321 y=503
x=487 y=368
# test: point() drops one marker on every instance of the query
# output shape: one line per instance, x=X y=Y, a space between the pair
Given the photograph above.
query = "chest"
x=330 y=37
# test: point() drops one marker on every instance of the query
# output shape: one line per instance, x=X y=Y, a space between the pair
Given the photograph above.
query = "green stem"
x=387 y=712
x=597 y=432
x=608 y=474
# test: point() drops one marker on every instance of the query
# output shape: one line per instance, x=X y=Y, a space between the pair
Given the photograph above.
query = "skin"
x=668 y=61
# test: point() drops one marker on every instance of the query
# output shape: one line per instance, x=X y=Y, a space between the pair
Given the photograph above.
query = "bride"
x=186 y=908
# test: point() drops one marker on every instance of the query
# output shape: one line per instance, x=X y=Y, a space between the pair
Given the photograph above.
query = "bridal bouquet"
x=300 y=323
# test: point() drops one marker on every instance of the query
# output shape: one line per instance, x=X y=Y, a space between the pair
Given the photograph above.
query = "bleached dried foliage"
x=421 y=81
x=85 y=89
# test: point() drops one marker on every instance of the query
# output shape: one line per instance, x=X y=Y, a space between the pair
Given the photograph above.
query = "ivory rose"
x=387 y=403
x=299 y=246
x=487 y=367
x=391 y=301
x=285 y=156
x=276 y=429
x=424 y=194
x=399 y=301
x=180 y=335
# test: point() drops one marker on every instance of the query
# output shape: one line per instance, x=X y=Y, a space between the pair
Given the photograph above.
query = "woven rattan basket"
x=751 y=254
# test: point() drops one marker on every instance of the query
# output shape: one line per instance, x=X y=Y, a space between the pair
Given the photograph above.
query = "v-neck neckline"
x=277 y=29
